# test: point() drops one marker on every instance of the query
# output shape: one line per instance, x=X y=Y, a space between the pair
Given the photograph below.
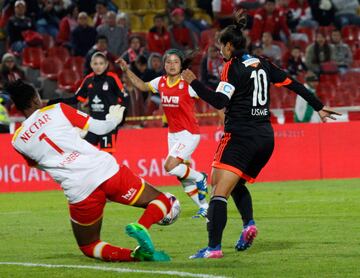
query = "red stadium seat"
x=351 y=32
x=50 y=68
x=326 y=30
x=310 y=32
x=48 y=41
x=67 y=78
x=60 y=52
x=32 y=57
x=207 y=37
x=75 y=63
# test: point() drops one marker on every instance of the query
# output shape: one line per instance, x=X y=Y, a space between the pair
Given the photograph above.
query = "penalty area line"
x=115 y=269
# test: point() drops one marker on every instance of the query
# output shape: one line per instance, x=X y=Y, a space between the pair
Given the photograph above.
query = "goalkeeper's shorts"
x=124 y=187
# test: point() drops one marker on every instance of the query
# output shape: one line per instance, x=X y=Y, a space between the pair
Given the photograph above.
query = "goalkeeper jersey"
x=49 y=139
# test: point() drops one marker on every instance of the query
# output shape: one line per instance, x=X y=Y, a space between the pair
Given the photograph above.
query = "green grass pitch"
x=306 y=229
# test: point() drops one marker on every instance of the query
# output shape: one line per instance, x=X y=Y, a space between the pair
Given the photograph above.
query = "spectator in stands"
x=318 y=52
x=346 y=12
x=271 y=50
x=47 y=20
x=342 y=52
x=67 y=25
x=268 y=19
x=223 y=12
x=158 y=38
x=101 y=11
x=9 y=70
x=299 y=15
x=322 y=11
x=122 y=20
x=102 y=46
x=117 y=36
x=155 y=69
x=257 y=50
x=211 y=67
x=16 y=25
x=181 y=37
x=295 y=64
x=303 y=112
x=83 y=37
x=134 y=50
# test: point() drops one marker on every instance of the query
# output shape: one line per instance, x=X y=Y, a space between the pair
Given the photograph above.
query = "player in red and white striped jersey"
x=51 y=138
x=178 y=102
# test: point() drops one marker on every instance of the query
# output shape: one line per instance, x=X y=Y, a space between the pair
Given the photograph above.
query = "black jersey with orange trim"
x=249 y=106
x=101 y=91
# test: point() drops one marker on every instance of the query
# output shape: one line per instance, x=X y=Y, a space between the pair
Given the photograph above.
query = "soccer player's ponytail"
x=234 y=33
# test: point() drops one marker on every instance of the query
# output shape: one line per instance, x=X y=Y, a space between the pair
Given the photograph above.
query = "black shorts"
x=106 y=142
x=244 y=155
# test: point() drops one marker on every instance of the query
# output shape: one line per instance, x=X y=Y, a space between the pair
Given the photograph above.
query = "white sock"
x=191 y=190
x=183 y=171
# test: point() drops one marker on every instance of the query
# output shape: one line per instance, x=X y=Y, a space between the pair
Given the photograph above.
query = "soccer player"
x=248 y=142
x=99 y=90
x=177 y=99
x=50 y=138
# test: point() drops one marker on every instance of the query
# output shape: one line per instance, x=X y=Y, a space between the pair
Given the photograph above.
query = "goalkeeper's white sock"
x=183 y=171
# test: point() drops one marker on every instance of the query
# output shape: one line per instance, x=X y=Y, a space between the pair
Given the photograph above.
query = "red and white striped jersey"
x=178 y=103
x=50 y=139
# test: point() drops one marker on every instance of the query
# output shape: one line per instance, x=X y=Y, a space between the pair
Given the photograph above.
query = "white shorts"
x=182 y=144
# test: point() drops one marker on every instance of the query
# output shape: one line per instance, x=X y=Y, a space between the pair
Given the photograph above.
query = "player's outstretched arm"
x=113 y=119
x=217 y=99
x=135 y=80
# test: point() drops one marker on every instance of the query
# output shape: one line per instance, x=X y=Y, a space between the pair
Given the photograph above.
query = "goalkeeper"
x=51 y=138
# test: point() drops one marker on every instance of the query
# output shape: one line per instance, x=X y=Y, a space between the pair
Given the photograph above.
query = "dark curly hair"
x=21 y=93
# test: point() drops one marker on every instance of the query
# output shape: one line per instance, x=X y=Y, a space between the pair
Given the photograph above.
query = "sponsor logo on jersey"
x=251 y=62
x=226 y=89
x=90 y=86
x=97 y=106
x=130 y=194
x=105 y=86
x=34 y=127
x=170 y=101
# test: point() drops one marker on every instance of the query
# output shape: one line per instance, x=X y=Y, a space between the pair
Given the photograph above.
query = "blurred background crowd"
x=50 y=42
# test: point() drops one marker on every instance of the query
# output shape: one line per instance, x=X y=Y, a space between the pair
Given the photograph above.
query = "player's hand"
x=122 y=63
x=116 y=113
x=327 y=112
x=188 y=76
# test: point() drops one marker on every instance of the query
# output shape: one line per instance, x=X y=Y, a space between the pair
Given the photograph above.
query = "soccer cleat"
x=202 y=213
x=156 y=256
x=208 y=253
x=202 y=188
x=247 y=236
x=142 y=236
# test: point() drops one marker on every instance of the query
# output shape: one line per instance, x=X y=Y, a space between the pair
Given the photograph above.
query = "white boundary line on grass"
x=115 y=269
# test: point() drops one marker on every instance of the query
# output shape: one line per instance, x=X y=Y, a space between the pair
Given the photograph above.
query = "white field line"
x=115 y=269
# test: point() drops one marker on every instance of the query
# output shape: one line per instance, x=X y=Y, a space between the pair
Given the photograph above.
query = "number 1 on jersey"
x=260 y=93
x=43 y=136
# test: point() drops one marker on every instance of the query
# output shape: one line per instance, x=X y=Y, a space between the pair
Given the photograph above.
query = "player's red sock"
x=106 y=252
x=155 y=211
